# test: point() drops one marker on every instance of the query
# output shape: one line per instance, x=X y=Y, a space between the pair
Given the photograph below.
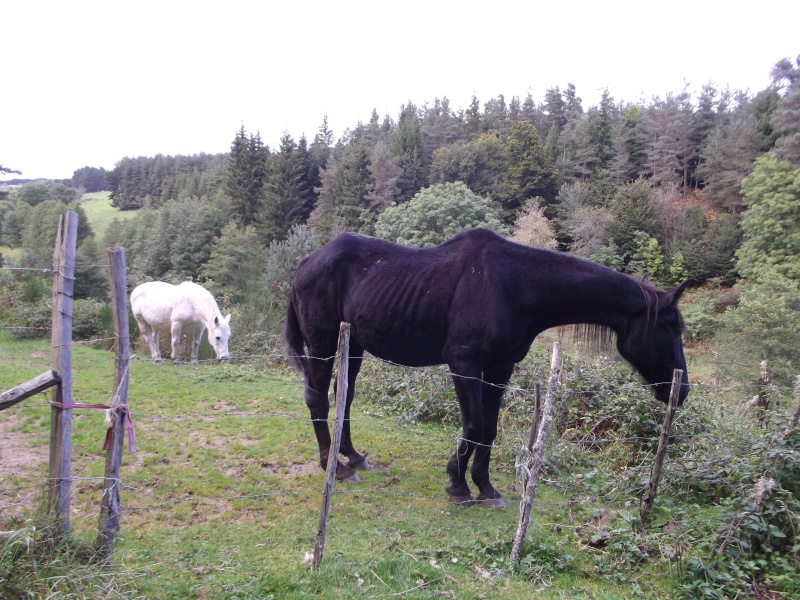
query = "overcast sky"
x=88 y=83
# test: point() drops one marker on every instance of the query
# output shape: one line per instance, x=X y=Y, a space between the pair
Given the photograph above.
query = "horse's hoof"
x=359 y=464
x=157 y=361
x=460 y=495
x=346 y=474
x=497 y=503
x=461 y=500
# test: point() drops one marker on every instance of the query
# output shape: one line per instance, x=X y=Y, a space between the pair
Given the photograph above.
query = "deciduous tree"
x=435 y=214
x=771 y=223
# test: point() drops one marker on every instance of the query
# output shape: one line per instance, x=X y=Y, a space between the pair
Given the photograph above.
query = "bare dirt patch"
x=20 y=461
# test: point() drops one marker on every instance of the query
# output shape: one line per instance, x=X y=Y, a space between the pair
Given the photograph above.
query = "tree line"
x=702 y=187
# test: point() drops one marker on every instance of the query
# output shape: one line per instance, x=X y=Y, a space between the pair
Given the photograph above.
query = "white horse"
x=157 y=305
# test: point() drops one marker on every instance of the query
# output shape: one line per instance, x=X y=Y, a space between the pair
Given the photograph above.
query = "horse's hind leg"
x=468 y=391
x=354 y=459
x=494 y=385
x=318 y=379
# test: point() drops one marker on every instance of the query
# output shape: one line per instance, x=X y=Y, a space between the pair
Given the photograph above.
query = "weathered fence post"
x=333 y=453
x=110 y=505
x=524 y=458
x=663 y=441
x=537 y=456
x=761 y=400
x=61 y=340
x=796 y=412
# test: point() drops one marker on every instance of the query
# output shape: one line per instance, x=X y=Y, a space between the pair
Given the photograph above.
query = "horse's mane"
x=600 y=338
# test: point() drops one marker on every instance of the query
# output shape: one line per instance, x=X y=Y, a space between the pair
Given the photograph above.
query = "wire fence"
x=509 y=441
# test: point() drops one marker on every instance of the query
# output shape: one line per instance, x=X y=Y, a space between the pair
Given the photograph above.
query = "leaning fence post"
x=333 y=453
x=523 y=460
x=655 y=473
x=537 y=456
x=761 y=400
x=796 y=412
x=110 y=504
x=58 y=497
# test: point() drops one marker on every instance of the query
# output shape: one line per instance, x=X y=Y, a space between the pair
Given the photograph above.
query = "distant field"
x=100 y=213
x=10 y=252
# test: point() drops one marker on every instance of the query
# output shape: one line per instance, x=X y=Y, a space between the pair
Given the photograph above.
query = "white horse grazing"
x=157 y=305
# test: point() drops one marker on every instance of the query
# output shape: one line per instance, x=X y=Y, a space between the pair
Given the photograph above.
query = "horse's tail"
x=293 y=336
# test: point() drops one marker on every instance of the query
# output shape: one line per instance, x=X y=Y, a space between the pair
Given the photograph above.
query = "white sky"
x=87 y=83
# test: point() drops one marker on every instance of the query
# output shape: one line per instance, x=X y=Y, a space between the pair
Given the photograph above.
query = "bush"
x=436 y=214
x=765 y=325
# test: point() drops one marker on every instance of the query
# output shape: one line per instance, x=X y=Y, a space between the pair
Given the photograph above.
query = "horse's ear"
x=672 y=296
x=227 y=319
x=645 y=279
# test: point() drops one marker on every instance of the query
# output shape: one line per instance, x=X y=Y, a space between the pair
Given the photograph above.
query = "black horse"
x=476 y=303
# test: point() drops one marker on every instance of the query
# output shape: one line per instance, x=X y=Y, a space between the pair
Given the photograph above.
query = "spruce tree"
x=409 y=153
x=285 y=199
x=245 y=175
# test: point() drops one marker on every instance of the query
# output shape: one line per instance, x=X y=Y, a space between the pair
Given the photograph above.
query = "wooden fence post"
x=537 y=456
x=762 y=399
x=524 y=459
x=110 y=505
x=333 y=453
x=61 y=340
x=663 y=441
x=796 y=412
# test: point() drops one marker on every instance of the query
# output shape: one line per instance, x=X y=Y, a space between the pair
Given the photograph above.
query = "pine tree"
x=632 y=213
x=727 y=158
x=409 y=153
x=352 y=186
x=528 y=170
x=245 y=175
x=662 y=142
x=285 y=199
x=786 y=119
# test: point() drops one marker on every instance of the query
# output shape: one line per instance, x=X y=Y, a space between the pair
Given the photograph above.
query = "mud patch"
x=290 y=469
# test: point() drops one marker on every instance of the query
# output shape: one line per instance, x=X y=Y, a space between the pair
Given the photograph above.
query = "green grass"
x=222 y=498
x=100 y=213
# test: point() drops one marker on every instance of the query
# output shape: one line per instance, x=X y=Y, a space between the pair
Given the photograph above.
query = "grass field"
x=222 y=498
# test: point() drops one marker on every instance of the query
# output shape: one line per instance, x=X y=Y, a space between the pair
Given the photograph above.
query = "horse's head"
x=218 y=336
x=652 y=343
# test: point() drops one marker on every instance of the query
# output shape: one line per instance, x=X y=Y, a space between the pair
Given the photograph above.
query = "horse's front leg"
x=176 y=340
x=153 y=340
x=468 y=391
x=494 y=385
x=198 y=337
